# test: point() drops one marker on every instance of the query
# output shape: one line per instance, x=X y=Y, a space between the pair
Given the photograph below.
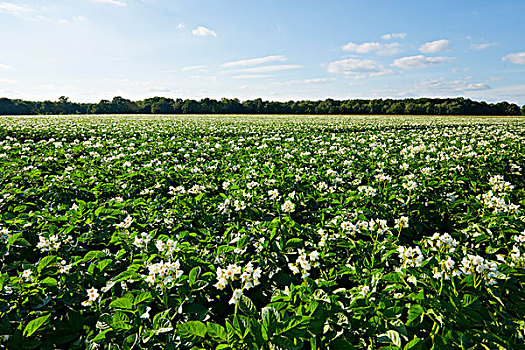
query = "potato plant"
x=263 y=232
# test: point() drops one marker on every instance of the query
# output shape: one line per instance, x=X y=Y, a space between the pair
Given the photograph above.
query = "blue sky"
x=278 y=50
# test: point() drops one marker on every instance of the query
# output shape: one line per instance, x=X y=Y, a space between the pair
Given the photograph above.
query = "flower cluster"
x=126 y=223
x=446 y=269
x=442 y=243
x=288 y=207
x=51 y=243
x=248 y=276
x=488 y=270
x=410 y=257
x=499 y=185
x=495 y=198
x=163 y=273
x=400 y=223
x=141 y=241
x=496 y=203
x=367 y=191
x=304 y=263
x=168 y=247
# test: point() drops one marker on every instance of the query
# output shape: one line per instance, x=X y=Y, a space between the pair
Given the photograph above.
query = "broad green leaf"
x=192 y=329
x=194 y=273
x=216 y=331
x=44 y=262
x=247 y=306
x=411 y=344
x=144 y=297
x=415 y=312
x=35 y=325
x=122 y=303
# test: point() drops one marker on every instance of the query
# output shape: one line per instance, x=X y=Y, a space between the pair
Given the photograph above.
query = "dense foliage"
x=156 y=105
x=138 y=232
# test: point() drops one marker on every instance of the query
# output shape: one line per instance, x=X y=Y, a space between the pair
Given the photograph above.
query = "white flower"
x=288 y=207
x=92 y=294
x=237 y=293
x=146 y=315
x=364 y=290
x=26 y=275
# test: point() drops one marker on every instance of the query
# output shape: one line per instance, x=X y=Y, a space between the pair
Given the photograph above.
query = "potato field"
x=262 y=232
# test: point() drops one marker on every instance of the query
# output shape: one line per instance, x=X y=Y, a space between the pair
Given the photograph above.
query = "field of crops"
x=266 y=232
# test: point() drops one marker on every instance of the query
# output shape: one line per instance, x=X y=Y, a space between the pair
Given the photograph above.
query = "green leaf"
x=121 y=303
x=144 y=297
x=286 y=343
x=192 y=329
x=49 y=281
x=411 y=344
x=120 y=322
x=294 y=243
x=93 y=255
x=12 y=240
x=127 y=275
x=130 y=342
x=415 y=312
x=295 y=326
x=216 y=331
x=44 y=262
x=103 y=264
x=394 y=337
x=247 y=306
x=161 y=322
x=101 y=336
x=270 y=318
x=35 y=325
x=194 y=273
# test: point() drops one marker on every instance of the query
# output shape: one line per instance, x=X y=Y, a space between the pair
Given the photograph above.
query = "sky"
x=280 y=50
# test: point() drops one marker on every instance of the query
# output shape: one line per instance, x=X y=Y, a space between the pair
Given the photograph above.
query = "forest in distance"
x=163 y=105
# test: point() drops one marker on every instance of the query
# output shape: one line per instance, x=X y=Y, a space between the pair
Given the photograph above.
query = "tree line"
x=162 y=105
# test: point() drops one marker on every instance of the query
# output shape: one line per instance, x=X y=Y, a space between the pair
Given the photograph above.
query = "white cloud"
x=357 y=67
x=380 y=49
x=7 y=81
x=435 y=46
x=118 y=3
x=394 y=36
x=516 y=58
x=21 y=11
x=477 y=86
x=253 y=76
x=312 y=81
x=448 y=88
x=318 y=80
x=181 y=25
x=482 y=46
x=419 y=61
x=199 y=68
x=265 y=69
x=75 y=20
x=4 y=66
x=253 y=61
x=7 y=7
x=203 y=31
x=383 y=72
